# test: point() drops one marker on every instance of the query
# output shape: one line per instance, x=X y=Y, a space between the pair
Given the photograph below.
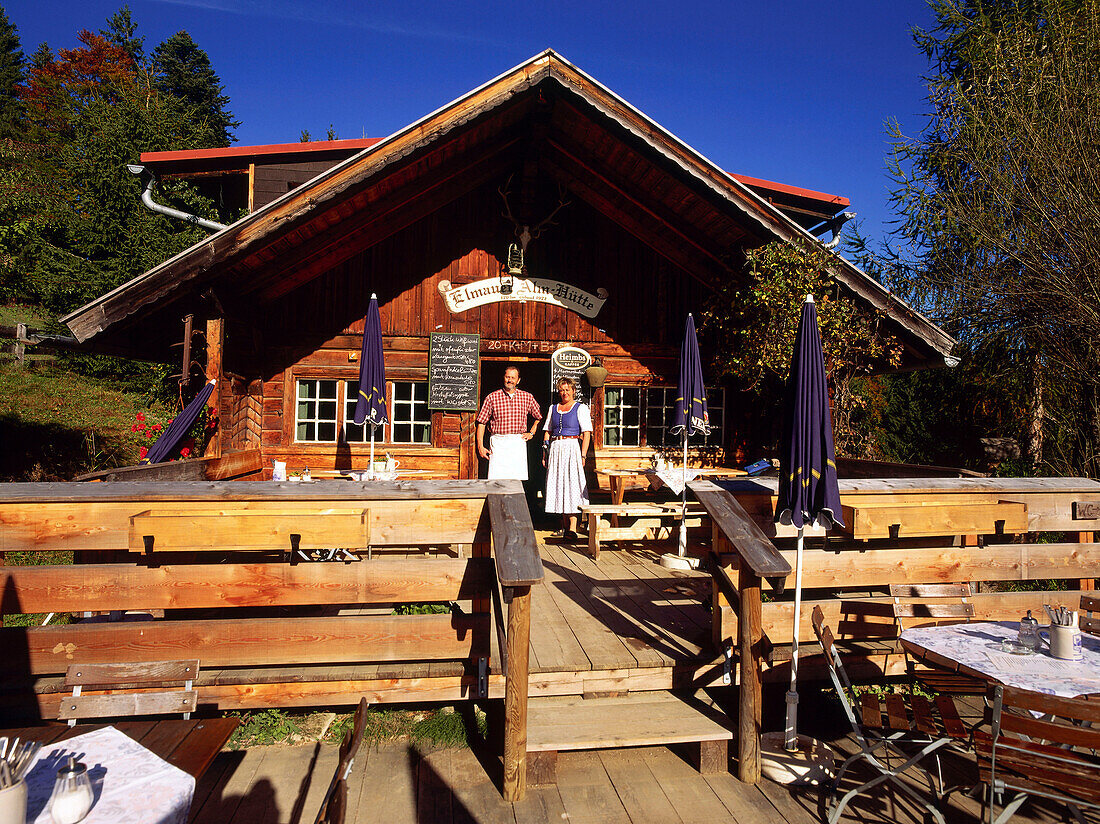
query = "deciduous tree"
x=1000 y=200
x=751 y=326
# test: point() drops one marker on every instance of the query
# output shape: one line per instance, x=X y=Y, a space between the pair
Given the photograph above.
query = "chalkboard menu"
x=453 y=371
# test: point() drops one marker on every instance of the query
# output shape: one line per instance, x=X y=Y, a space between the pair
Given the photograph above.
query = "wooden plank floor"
x=401 y=784
x=624 y=613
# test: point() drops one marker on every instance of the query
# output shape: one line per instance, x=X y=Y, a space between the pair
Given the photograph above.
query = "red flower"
x=157 y=427
x=142 y=426
x=143 y=453
x=148 y=433
x=134 y=429
x=140 y=416
x=185 y=452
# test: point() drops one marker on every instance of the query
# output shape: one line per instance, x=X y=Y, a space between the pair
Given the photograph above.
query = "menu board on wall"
x=453 y=365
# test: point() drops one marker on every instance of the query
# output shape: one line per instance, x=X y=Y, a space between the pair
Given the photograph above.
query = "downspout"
x=153 y=206
x=835 y=223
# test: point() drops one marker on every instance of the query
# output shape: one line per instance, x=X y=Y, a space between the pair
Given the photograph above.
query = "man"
x=508 y=410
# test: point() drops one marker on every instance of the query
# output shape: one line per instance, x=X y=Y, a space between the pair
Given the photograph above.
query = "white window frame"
x=344 y=425
x=403 y=412
x=716 y=412
x=621 y=407
x=315 y=421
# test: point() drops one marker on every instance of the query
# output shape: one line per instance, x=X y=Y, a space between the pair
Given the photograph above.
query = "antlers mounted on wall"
x=523 y=231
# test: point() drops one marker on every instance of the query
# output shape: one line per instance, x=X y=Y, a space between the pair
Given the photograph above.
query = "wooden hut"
x=629 y=230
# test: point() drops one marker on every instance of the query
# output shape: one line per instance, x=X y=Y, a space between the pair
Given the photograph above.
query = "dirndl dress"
x=566 y=486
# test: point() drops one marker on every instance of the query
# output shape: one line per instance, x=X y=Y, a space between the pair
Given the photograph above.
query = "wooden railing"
x=987 y=531
x=738 y=543
x=216 y=571
x=245 y=465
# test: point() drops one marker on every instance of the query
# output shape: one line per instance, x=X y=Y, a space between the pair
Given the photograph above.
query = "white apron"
x=509 y=458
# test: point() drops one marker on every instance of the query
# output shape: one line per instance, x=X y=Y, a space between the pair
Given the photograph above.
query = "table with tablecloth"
x=131 y=784
x=975 y=649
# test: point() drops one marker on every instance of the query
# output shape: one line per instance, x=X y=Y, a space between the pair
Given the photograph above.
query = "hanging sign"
x=453 y=361
x=539 y=290
x=569 y=362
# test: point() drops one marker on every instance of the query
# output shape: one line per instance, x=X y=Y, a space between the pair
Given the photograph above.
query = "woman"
x=566 y=437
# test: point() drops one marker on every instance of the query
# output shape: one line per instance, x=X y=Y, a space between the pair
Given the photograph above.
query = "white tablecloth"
x=978 y=646
x=676 y=477
x=131 y=784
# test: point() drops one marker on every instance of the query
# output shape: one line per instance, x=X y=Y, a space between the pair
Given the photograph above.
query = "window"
x=412 y=420
x=633 y=416
x=660 y=404
x=316 y=416
x=319 y=401
x=622 y=416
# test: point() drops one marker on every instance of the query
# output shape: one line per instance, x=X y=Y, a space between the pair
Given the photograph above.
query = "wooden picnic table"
x=619 y=480
x=189 y=745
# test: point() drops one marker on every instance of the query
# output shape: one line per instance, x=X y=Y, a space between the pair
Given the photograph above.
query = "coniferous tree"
x=122 y=31
x=12 y=65
x=183 y=70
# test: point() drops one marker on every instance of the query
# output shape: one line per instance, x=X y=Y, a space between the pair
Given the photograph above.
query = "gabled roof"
x=681 y=204
x=805 y=206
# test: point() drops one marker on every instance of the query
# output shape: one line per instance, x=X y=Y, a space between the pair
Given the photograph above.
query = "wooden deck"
x=624 y=624
x=403 y=784
x=624 y=619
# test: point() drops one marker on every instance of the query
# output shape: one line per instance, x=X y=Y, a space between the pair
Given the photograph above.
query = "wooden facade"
x=642 y=216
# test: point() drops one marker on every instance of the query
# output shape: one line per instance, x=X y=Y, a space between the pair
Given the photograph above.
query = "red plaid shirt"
x=508 y=413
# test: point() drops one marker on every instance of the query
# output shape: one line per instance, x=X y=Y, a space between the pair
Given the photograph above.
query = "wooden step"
x=637 y=719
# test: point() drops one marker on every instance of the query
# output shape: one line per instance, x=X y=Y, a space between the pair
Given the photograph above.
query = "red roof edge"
x=249 y=151
x=363 y=143
x=755 y=182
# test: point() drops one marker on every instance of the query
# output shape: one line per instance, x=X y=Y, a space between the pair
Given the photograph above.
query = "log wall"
x=315 y=332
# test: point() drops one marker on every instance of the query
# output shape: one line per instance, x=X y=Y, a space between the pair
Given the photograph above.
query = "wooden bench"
x=637 y=719
x=655 y=521
x=112 y=677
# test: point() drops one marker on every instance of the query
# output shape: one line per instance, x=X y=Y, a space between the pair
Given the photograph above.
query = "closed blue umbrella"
x=690 y=416
x=165 y=445
x=808 y=491
x=370 y=406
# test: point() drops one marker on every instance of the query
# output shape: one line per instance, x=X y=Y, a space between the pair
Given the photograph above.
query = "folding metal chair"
x=334 y=805
x=922 y=604
x=1040 y=745
x=1090 y=622
x=933 y=727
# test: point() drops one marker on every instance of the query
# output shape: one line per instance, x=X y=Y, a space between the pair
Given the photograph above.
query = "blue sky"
x=795 y=92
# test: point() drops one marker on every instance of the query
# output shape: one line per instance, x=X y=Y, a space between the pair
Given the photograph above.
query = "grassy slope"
x=55 y=424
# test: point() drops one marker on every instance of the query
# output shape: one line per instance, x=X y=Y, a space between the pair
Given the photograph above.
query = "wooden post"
x=20 y=343
x=723 y=617
x=515 y=696
x=750 y=632
x=1086 y=584
x=215 y=334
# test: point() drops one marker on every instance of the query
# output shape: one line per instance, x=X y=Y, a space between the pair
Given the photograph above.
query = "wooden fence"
x=220 y=567
x=992 y=532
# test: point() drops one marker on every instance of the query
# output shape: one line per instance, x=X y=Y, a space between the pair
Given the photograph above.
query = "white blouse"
x=584 y=417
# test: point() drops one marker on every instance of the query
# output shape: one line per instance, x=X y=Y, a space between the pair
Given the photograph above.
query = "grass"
x=56 y=424
x=33 y=316
x=441 y=727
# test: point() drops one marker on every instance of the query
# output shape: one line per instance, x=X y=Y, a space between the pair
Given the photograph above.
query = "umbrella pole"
x=370 y=468
x=683 y=512
x=791 y=732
